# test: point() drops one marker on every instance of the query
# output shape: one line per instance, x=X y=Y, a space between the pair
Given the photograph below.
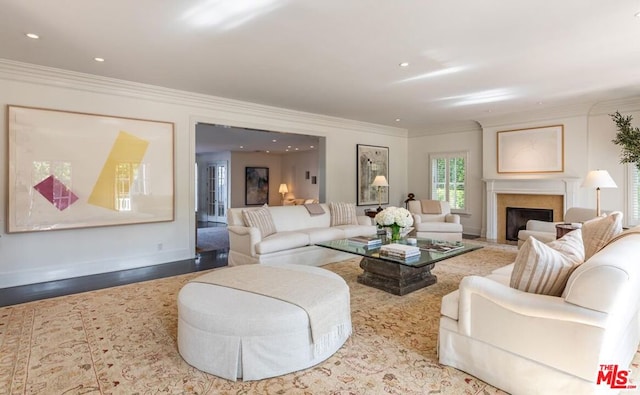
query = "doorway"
x=217 y=192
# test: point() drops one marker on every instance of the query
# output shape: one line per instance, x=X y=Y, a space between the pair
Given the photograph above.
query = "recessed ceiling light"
x=288 y=146
x=32 y=35
x=311 y=146
x=397 y=119
x=274 y=140
x=637 y=14
x=267 y=151
x=404 y=64
x=242 y=146
x=99 y=59
x=296 y=149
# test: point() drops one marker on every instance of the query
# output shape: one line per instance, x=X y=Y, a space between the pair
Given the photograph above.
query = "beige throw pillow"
x=597 y=232
x=259 y=218
x=343 y=214
x=545 y=268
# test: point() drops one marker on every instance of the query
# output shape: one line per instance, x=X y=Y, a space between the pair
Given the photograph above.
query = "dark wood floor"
x=26 y=293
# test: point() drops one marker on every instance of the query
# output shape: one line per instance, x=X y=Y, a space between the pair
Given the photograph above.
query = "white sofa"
x=546 y=231
x=526 y=343
x=298 y=202
x=437 y=224
x=296 y=233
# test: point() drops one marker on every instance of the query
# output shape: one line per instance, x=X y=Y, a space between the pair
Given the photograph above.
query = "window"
x=448 y=179
x=633 y=200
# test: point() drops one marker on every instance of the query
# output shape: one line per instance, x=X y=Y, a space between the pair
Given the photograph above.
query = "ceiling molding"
x=36 y=74
x=541 y=115
x=457 y=127
x=628 y=104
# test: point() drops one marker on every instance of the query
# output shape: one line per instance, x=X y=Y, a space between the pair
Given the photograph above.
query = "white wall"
x=294 y=166
x=575 y=146
x=603 y=154
x=241 y=160
x=465 y=138
x=43 y=256
x=587 y=146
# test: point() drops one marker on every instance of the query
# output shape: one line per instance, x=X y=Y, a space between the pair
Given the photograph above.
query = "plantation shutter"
x=634 y=196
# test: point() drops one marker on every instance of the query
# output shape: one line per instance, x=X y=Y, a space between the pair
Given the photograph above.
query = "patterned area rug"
x=122 y=340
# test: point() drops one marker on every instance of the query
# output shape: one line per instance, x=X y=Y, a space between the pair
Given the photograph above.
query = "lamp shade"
x=380 y=181
x=283 y=188
x=599 y=179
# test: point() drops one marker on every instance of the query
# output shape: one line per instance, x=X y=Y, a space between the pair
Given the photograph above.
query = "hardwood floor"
x=27 y=293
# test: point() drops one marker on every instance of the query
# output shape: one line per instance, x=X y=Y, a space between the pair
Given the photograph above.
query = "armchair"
x=432 y=219
x=546 y=231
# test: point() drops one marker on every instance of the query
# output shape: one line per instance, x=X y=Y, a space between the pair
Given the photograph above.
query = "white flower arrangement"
x=394 y=216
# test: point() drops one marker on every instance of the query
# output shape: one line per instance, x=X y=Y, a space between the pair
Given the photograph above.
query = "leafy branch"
x=628 y=137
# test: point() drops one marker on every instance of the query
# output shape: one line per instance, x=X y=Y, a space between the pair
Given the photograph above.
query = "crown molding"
x=627 y=104
x=457 y=127
x=538 y=115
x=43 y=75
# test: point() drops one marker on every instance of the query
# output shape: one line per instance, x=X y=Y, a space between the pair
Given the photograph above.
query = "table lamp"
x=598 y=179
x=380 y=181
x=283 y=190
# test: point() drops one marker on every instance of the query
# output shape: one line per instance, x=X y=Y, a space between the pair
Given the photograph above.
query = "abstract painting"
x=256 y=186
x=74 y=170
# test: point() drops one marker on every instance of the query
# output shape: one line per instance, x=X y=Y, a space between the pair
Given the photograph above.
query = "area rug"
x=122 y=340
x=213 y=238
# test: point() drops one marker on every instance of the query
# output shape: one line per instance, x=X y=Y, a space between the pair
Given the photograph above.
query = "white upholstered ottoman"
x=234 y=332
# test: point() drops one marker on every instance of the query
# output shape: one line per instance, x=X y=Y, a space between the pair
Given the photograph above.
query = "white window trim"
x=454 y=154
x=631 y=188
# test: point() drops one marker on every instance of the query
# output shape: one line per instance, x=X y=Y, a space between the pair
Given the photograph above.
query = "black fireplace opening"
x=517 y=218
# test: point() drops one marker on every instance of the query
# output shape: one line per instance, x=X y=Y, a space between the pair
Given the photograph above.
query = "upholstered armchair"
x=546 y=231
x=432 y=219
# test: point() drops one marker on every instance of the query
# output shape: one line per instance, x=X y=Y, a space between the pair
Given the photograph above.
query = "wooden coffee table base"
x=393 y=277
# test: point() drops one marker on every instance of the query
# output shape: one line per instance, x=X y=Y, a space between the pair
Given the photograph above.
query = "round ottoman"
x=238 y=333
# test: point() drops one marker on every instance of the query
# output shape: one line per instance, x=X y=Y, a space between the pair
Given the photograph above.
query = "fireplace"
x=557 y=194
x=517 y=218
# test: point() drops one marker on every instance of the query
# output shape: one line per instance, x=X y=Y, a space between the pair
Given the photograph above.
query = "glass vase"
x=395 y=232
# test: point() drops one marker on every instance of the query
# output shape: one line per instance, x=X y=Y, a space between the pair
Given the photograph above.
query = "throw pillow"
x=259 y=218
x=545 y=268
x=343 y=213
x=597 y=232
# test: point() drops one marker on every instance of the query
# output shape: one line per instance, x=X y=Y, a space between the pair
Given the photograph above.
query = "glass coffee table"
x=400 y=276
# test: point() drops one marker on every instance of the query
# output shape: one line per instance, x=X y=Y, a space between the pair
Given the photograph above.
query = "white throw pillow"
x=343 y=214
x=259 y=218
x=597 y=232
x=545 y=268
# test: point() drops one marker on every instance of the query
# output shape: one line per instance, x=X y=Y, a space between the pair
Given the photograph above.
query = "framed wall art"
x=256 y=186
x=372 y=161
x=74 y=170
x=531 y=150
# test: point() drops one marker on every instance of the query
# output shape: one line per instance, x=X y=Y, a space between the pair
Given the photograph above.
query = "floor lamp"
x=380 y=182
x=598 y=179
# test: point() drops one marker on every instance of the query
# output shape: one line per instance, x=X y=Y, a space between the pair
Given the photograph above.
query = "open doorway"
x=222 y=154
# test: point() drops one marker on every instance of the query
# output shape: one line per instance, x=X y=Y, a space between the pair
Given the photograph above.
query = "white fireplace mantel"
x=567 y=187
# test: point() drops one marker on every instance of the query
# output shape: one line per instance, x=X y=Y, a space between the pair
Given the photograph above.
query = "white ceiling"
x=221 y=138
x=469 y=59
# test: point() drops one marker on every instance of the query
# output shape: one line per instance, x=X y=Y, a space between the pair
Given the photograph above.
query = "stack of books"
x=399 y=251
x=368 y=241
x=443 y=247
